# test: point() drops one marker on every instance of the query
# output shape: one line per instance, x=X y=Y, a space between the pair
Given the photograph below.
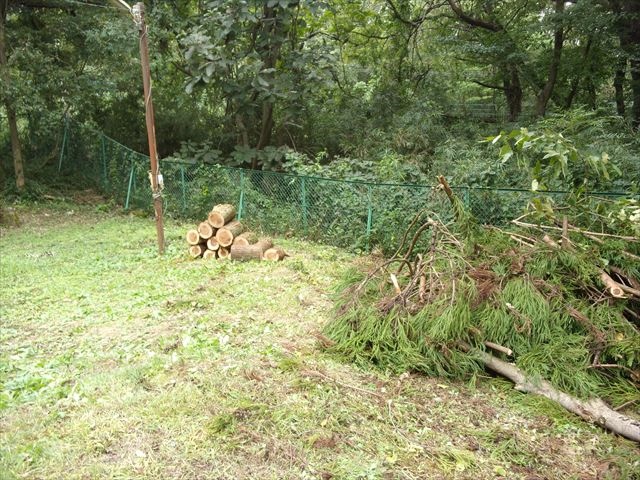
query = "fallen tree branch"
x=574 y=229
x=615 y=289
x=499 y=348
x=594 y=410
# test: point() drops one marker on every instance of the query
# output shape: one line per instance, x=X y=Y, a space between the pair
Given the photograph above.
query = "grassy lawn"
x=115 y=363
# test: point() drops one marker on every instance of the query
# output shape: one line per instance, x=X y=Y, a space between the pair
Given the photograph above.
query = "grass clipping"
x=457 y=298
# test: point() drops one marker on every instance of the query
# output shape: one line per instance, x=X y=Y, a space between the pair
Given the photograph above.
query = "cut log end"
x=274 y=254
x=212 y=243
x=209 y=255
x=197 y=250
x=246 y=238
x=615 y=289
x=205 y=230
x=221 y=214
x=223 y=253
x=193 y=237
x=226 y=234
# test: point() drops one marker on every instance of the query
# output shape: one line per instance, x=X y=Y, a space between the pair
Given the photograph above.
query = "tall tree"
x=255 y=55
x=8 y=99
x=558 y=40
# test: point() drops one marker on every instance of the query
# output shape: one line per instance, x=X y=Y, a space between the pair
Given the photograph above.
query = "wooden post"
x=156 y=178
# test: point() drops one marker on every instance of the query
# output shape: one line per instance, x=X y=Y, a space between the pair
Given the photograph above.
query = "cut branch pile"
x=222 y=236
x=554 y=307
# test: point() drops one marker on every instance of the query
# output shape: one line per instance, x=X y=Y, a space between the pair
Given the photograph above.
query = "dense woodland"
x=396 y=90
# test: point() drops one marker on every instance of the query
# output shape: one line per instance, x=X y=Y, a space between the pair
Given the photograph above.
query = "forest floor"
x=115 y=363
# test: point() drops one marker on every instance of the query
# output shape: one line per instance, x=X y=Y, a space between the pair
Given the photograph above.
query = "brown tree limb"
x=593 y=410
x=474 y=22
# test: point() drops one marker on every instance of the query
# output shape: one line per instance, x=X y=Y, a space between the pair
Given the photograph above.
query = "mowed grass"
x=116 y=363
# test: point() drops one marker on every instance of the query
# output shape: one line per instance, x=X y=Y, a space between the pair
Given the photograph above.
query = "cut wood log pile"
x=551 y=304
x=222 y=236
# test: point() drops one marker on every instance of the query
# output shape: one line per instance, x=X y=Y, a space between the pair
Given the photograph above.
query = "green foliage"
x=515 y=296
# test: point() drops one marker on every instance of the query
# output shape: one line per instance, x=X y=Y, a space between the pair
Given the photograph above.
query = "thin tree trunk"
x=513 y=92
x=272 y=30
x=628 y=12
x=618 y=84
x=558 y=40
x=581 y=73
x=635 y=89
x=16 y=148
x=267 y=125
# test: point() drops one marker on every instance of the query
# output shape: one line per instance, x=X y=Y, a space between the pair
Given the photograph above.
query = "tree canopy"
x=286 y=84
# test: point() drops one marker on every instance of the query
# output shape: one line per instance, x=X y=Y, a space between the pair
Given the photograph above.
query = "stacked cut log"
x=222 y=236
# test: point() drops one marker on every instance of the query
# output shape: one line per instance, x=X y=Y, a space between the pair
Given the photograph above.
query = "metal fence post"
x=64 y=141
x=303 y=198
x=369 y=216
x=184 y=190
x=241 y=201
x=131 y=176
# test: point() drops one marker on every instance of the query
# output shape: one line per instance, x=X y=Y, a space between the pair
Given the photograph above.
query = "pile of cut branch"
x=553 y=307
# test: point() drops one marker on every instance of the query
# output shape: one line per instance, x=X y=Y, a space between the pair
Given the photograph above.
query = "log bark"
x=212 y=244
x=246 y=238
x=205 y=230
x=223 y=252
x=251 y=252
x=221 y=214
x=227 y=233
x=593 y=410
x=264 y=243
x=197 y=250
x=193 y=237
x=209 y=254
x=274 y=254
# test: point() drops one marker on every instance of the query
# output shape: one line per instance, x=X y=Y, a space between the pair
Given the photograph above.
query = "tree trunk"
x=581 y=73
x=16 y=148
x=267 y=125
x=618 y=84
x=272 y=32
x=635 y=89
x=558 y=40
x=513 y=92
x=227 y=233
x=221 y=214
x=628 y=12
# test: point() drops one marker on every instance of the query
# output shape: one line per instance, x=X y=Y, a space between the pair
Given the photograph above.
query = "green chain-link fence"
x=352 y=214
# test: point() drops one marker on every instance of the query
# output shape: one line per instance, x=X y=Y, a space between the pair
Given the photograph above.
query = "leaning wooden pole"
x=156 y=178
